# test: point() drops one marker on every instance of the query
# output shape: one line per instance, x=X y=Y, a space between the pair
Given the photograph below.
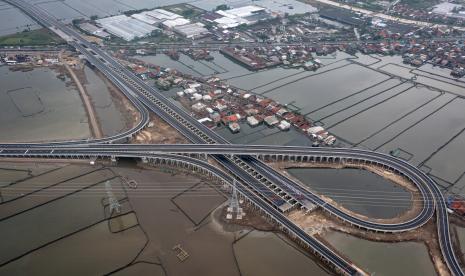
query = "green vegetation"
x=155 y=37
x=76 y=22
x=30 y=38
x=131 y=12
x=294 y=18
x=242 y=27
x=222 y=7
x=420 y=4
x=93 y=17
x=185 y=10
x=372 y=5
x=375 y=5
x=188 y=12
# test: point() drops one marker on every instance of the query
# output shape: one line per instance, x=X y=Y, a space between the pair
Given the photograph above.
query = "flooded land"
x=419 y=121
x=403 y=258
x=43 y=104
x=458 y=234
x=360 y=191
x=358 y=110
x=37 y=106
x=113 y=114
x=257 y=247
x=74 y=225
x=366 y=101
x=14 y=21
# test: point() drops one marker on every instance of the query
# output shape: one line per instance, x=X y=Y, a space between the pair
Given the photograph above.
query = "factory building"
x=193 y=31
x=169 y=24
x=144 y=23
x=244 y=15
x=126 y=27
x=94 y=30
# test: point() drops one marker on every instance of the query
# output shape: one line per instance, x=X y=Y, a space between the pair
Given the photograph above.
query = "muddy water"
x=361 y=191
x=141 y=269
x=164 y=211
x=28 y=200
x=7 y=176
x=364 y=107
x=404 y=258
x=48 y=111
x=267 y=248
x=12 y=20
x=52 y=220
x=359 y=126
x=94 y=251
x=33 y=170
x=461 y=237
x=45 y=180
x=208 y=243
x=110 y=118
x=203 y=198
x=35 y=225
x=171 y=208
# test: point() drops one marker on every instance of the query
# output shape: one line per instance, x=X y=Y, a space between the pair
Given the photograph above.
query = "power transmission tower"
x=112 y=200
x=234 y=208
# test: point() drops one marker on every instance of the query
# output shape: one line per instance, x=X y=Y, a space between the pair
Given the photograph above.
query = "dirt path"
x=93 y=121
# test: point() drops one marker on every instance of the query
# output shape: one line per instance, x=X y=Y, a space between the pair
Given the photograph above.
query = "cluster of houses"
x=215 y=103
x=264 y=57
x=14 y=59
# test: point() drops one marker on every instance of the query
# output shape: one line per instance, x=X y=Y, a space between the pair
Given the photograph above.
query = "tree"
x=156 y=33
x=262 y=36
x=188 y=13
x=242 y=27
x=93 y=17
x=209 y=25
x=222 y=7
x=76 y=22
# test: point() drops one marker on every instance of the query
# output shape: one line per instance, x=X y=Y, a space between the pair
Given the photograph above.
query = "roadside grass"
x=31 y=38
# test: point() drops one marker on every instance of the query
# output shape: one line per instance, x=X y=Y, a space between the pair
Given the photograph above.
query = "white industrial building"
x=169 y=24
x=144 y=17
x=242 y=12
x=244 y=15
x=157 y=16
x=126 y=27
x=194 y=30
x=227 y=23
x=162 y=15
x=144 y=23
x=94 y=30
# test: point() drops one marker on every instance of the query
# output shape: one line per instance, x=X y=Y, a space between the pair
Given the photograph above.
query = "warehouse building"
x=157 y=16
x=163 y=15
x=144 y=23
x=169 y=24
x=94 y=30
x=193 y=31
x=244 y=15
x=146 y=18
x=126 y=27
